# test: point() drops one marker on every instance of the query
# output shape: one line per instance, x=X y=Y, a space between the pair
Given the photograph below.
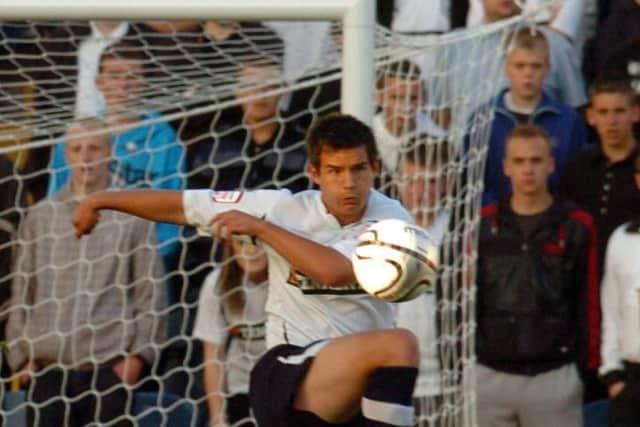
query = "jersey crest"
x=313 y=287
x=226 y=196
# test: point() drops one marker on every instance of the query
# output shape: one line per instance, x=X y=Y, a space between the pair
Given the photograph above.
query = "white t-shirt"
x=214 y=324
x=299 y=309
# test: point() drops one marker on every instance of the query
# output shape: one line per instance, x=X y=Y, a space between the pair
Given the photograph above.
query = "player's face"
x=495 y=10
x=88 y=158
x=345 y=178
x=259 y=109
x=526 y=70
x=251 y=258
x=120 y=82
x=528 y=163
x=401 y=100
x=613 y=116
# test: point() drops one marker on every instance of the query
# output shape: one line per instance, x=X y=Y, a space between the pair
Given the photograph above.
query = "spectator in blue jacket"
x=145 y=155
x=524 y=101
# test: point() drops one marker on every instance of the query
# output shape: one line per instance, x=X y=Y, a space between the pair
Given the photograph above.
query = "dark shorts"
x=275 y=379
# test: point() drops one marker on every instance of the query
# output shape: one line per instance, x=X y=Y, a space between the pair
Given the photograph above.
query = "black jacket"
x=538 y=297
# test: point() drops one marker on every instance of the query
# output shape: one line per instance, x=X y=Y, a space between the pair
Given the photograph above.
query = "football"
x=396 y=261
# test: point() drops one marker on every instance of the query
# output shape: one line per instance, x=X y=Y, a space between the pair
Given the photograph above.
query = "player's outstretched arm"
x=153 y=205
x=322 y=263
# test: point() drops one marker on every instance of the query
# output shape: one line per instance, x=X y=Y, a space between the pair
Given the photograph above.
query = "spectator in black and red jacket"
x=538 y=310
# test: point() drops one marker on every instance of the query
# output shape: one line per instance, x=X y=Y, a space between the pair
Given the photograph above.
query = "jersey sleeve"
x=210 y=324
x=201 y=206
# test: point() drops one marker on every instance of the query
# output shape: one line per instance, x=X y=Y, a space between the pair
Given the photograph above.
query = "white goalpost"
x=188 y=112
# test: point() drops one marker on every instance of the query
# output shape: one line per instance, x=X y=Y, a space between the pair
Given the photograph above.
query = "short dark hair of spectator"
x=127 y=50
x=402 y=70
x=339 y=132
x=425 y=151
x=529 y=131
x=529 y=39
x=620 y=86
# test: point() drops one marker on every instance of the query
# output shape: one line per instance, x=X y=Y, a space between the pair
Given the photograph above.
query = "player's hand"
x=235 y=222
x=615 y=389
x=85 y=218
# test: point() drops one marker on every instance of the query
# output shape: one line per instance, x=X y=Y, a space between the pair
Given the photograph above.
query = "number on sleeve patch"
x=226 y=196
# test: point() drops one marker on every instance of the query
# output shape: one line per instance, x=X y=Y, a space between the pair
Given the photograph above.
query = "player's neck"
x=522 y=104
x=531 y=204
x=620 y=150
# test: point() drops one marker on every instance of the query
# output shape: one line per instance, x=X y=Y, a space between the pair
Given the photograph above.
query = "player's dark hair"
x=338 y=132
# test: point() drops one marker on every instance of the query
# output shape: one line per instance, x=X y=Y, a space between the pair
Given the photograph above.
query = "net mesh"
x=220 y=105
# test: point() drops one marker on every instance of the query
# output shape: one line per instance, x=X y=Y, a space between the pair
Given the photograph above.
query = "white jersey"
x=246 y=330
x=299 y=309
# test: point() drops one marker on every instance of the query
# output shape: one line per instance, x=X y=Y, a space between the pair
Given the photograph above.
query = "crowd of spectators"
x=562 y=176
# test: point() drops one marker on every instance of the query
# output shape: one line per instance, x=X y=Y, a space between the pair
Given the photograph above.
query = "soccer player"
x=332 y=358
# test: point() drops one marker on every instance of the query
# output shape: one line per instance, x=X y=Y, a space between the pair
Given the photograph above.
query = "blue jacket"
x=566 y=127
x=146 y=156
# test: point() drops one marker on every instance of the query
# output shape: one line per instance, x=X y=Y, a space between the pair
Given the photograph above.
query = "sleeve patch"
x=226 y=196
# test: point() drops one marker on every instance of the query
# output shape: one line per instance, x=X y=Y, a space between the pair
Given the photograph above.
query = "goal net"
x=147 y=323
